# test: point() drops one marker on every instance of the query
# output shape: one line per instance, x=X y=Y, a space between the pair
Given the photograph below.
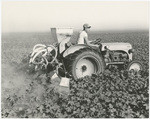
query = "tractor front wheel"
x=134 y=66
x=85 y=62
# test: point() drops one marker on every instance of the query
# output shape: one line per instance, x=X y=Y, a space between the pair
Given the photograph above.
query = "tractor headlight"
x=131 y=51
x=106 y=47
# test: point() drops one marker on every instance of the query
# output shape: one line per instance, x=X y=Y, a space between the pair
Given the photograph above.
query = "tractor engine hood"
x=117 y=46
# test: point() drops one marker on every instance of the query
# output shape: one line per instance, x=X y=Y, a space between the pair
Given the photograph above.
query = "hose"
x=42 y=50
x=38 y=45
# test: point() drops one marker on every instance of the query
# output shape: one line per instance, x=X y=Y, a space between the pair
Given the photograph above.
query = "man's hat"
x=86 y=26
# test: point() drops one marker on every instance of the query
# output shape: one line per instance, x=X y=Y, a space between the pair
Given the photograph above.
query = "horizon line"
x=75 y=30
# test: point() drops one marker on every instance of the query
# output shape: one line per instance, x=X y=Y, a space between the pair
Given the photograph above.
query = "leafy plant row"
x=114 y=94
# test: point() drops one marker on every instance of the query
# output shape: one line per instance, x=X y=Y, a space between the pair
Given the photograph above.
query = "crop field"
x=107 y=96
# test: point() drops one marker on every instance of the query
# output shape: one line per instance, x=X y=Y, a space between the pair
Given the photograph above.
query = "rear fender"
x=74 y=48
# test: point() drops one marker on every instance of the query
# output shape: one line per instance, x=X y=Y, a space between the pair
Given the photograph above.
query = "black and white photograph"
x=74 y=59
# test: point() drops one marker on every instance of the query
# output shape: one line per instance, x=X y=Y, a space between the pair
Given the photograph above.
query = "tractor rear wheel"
x=85 y=62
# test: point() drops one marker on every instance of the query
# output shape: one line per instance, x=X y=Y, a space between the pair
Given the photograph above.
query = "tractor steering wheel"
x=99 y=39
x=96 y=41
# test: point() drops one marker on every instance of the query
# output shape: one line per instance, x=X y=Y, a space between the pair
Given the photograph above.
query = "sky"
x=30 y=16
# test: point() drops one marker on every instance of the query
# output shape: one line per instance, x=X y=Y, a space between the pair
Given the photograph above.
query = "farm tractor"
x=80 y=60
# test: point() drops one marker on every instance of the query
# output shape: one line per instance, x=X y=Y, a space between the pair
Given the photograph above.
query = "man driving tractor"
x=83 y=36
